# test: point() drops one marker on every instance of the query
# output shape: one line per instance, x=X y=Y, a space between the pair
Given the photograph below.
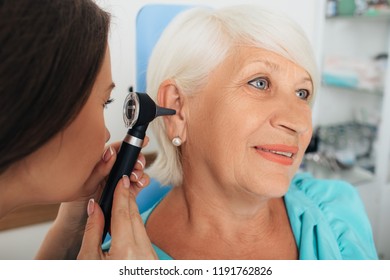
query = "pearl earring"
x=177 y=141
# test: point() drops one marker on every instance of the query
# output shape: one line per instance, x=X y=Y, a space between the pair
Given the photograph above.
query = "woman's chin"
x=274 y=186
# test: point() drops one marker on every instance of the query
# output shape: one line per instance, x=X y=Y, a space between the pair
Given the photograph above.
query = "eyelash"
x=307 y=93
x=262 y=79
x=256 y=80
x=108 y=102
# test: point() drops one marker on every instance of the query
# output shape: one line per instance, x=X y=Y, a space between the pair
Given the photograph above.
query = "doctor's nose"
x=108 y=135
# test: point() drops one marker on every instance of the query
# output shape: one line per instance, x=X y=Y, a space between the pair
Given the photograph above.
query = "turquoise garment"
x=327 y=218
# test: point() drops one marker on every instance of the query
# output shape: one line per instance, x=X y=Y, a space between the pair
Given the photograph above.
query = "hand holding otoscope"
x=138 y=111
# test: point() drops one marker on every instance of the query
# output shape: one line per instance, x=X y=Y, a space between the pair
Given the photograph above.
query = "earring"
x=177 y=141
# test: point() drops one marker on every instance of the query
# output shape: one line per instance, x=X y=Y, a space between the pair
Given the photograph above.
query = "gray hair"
x=199 y=39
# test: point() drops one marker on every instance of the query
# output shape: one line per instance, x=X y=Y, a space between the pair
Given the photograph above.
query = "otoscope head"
x=140 y=109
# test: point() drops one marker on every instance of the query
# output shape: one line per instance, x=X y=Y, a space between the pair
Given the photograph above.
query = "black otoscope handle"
x=124 y=164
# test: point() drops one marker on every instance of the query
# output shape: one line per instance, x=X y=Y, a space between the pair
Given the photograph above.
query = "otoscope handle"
x=124 y=164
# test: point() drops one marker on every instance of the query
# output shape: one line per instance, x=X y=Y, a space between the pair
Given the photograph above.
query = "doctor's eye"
x=109 y=101
x=260 y=83
x=303 y=94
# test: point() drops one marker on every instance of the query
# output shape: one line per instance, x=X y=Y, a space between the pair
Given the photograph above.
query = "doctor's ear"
x=169 y=96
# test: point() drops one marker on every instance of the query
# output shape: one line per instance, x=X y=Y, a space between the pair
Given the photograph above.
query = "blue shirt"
x=327 y=217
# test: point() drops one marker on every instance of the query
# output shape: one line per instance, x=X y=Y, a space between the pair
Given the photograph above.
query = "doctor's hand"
x=129 y=237
x=93 y=187
x=72 y=215
x=64 y=238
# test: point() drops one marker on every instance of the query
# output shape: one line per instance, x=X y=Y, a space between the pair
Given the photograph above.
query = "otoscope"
x=138 y=111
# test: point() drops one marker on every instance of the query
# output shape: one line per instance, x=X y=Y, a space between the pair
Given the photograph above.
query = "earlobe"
x=169 y=96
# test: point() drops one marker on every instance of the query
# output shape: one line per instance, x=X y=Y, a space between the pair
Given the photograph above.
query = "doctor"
x=55 y=81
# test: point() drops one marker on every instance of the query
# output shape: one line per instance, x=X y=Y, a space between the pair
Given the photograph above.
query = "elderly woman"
x=242 y=80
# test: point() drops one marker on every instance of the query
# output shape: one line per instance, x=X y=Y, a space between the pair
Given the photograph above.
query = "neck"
x=14 y=191
x=215 y=230
x=215 y=221
x=231 y=212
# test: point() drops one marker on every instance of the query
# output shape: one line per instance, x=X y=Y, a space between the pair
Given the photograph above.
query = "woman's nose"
x=294 y=117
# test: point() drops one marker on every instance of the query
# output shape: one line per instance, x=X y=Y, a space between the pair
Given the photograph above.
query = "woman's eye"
x=260 y=83
x=109 y=101
x=303 y=94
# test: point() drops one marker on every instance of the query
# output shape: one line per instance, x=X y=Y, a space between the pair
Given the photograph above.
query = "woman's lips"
x=281 y=154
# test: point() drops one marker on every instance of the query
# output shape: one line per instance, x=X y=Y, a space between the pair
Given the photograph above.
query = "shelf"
x=371 y=14
x=358 y=38
x=355 y=175
x=378 y=92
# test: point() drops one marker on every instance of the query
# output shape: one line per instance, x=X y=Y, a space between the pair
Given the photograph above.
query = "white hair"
x=199 y=39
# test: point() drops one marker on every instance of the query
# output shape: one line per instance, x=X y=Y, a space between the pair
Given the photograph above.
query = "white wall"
x=22 y=243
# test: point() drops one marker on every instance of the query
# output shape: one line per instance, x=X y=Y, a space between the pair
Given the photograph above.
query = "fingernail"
x=142 y=182
x=91 y=207
x=140 y=162
x=126 y=181
x=107 y=154
x=135 y=175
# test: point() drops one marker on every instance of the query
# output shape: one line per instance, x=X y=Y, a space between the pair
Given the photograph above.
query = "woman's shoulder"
x=325 y=191
x=336 y=199
x=336 y=206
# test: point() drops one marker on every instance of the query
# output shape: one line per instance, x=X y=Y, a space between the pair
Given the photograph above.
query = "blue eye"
x=260 y=83
x=303 y=94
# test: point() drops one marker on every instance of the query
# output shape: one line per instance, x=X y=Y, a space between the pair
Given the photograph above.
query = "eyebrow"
x=307 y=79
x=271 y=65
x=276 y=67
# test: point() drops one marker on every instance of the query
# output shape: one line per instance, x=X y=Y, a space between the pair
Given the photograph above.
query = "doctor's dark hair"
x=51 y=52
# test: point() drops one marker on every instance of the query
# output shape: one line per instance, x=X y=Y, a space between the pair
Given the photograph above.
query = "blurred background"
x=351 y=116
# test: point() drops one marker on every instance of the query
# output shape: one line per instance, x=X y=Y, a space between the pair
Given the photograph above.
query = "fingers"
x=138 y=178
x=90 y=247
x=101 y=170
x=129 y=238
x=140 y=163
x=116 y=145
x=104 y=166
x=146 y=142
x=120 y=216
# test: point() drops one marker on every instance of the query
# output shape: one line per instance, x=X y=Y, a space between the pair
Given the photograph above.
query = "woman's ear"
x=169 y=96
